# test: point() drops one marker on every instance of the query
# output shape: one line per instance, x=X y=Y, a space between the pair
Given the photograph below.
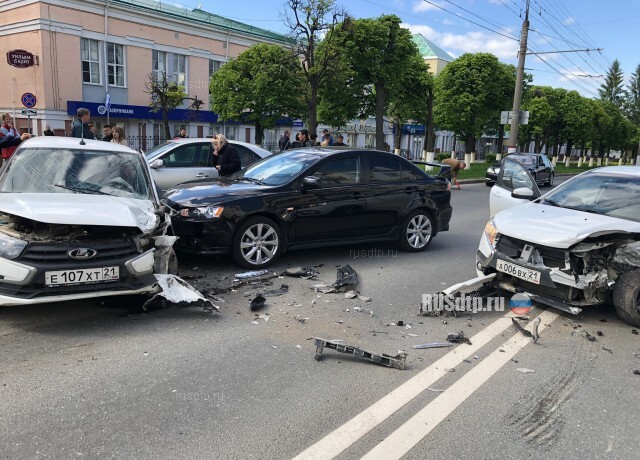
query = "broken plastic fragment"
x=257 y=303
x=363 y=298
x=301 y=272
x=396 y=361
x=524 y=370
x=433 y=345
x=458 y=338
x=351 y=294
x=177 y=291
x=251 y=274
x=347 y=276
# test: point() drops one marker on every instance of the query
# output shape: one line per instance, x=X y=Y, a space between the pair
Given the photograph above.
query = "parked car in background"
x=307 y=198
x=79 y=220
x=576 y=246
x=184 y=159
x=539 y=165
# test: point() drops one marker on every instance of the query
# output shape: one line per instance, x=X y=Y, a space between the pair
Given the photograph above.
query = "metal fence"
x=145 y=143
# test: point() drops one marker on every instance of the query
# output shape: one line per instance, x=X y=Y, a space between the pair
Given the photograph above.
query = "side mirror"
x=310 y=182
x=523 y=193
x=157 y=164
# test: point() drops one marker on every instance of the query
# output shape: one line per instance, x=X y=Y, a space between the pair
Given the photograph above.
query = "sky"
x=471 y=26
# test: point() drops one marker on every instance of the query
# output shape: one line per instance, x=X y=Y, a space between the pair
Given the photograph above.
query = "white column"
x=591 y=162
x=567 y=161
x=620 y=162
x=554 y=160
x=453 y=154
x=580 y=162
x=430 y=157
x=467 y=158
x=473 y=158
x=498 y=156
x=599 y=161
x=397 y=151
x=606 y=161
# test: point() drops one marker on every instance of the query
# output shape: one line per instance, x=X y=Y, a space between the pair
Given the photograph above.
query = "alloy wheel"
x=259 y=244
x=419 y=231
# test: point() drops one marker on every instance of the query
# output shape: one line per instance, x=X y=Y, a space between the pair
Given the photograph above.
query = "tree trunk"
x=469 y=143
x=380 y=103
x=259 y=133
x=397 y=136
x=500 y=139
x=430 y=135
x=165 y=122
x=537 y=145
x=313 y=109
x=569 y=147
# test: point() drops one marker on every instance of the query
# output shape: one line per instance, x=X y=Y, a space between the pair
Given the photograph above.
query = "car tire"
x=417 y=231
x=258 y=243
x=626 y=297
x=549 y=183
x=489 y=183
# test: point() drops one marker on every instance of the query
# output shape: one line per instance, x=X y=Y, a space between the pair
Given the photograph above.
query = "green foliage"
x=490 y=158
x=632 y=102
x=165 y=96
x=442 y=156
x=470 y=93
x=259 y=87
x=612 y=89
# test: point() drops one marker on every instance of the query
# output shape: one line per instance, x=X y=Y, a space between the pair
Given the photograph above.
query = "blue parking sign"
x=29 y=100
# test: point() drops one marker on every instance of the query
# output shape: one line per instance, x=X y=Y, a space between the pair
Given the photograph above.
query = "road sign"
x=507 y=116
x=29 y=100
x=29 y=112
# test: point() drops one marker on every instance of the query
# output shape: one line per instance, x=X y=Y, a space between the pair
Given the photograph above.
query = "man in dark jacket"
x=225 y=158
x=285 y=141
x=80 y=127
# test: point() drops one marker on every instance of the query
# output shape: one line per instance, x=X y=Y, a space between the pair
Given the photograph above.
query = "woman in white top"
x=118 y=136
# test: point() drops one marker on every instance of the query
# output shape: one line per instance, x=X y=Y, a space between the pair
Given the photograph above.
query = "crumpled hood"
x=81 y=209
x=557 y=227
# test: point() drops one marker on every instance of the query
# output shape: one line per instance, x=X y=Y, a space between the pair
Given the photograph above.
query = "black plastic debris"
x=257 y=303
x=347 y=276
x=533 y=335
x=599 y=333
x=400 y=323
x=433 y=345
x=397 y=361
x=276 y=292
x=301 y=272
x=634 y=332
x=637 y=372
x=458 y=338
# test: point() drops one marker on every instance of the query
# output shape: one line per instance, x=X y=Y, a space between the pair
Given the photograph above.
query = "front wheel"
x=489 y=183
x=417 y=231
x=551 y=179
x=626 y=297
x=257 y=243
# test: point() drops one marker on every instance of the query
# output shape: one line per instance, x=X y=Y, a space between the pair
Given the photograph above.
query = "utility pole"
x=517 y=95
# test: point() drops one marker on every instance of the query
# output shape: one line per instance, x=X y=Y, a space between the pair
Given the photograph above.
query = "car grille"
x=49 y=256
x=512 y=247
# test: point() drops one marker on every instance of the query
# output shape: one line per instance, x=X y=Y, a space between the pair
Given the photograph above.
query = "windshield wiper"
x=551 y=202
x=87 y=191
x=252 y=180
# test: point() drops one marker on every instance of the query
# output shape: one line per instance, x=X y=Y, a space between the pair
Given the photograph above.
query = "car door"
x=390 y=191
x=184 y=163
x=247 y=156
x=543 y=170
x=513 y=177
x=332 y=208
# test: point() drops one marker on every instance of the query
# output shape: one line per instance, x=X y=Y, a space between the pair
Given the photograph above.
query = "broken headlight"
x=10 y=247
x=490 y=233
x=210 y=212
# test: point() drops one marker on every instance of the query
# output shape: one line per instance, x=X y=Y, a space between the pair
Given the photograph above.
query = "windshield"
x=50 y=170
x=612 y=195
x=527 y=160
x=160 y=149
x=279 y=169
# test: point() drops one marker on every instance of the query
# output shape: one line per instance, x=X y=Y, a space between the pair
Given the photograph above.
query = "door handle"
x=202 y=175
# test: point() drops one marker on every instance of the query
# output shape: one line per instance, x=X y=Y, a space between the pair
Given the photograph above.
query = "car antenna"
x=82 y=142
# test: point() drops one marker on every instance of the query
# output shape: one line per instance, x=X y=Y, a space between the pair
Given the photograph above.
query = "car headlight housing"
x=491 y=233
x=209 y=212
x=10 y=247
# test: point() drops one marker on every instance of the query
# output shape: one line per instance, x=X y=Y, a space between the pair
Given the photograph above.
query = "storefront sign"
x=21 y=59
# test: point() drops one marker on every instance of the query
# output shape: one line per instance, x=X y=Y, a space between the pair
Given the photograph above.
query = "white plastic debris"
x=524 y=370
x=176 y=290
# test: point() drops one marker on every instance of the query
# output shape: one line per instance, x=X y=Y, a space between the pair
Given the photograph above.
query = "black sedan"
x=538 y=165
x=309 y=198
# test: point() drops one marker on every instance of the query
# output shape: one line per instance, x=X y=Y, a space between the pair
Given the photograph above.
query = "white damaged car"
x=80 y=219
x=576 y=246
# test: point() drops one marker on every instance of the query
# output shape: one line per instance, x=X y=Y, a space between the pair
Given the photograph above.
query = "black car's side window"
x=384 y=168
x=345 y=171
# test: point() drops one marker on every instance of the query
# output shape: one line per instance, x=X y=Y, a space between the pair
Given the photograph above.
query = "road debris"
x=300 y=272
x=636 y=372
x=400 y=323
x=251 y=274
x=524 y=370
x=533 y=335
x=257 y=303
x=347 y=276
x=300 y=319
x=433 y=345
x=634 y=332
x=324 y=289
x=276 y=292
x=607 y=349
x=435 y=390
x=458 y=338
x=396 y=361
x=175 y=290
x=351 y=294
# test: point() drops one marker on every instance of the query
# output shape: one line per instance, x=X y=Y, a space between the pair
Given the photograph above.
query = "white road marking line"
x=347 y=434
x=417 y=427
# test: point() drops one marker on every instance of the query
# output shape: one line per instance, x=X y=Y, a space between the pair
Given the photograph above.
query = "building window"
x=214 y=66
x=159 y=64
x=179 y=69
x=90 y=53
x=115 y=64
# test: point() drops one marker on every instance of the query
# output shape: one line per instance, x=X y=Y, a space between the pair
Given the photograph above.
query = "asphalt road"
x=86 y=380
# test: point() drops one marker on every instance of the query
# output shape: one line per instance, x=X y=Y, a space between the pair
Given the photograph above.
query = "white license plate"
x=526 y=274
x=81 y=276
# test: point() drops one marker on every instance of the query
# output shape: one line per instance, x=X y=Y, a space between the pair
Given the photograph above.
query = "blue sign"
x=141 y=112
x=29 y=100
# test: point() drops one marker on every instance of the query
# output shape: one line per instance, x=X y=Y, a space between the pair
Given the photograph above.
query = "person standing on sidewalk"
x=80 y=127
x=456 y=166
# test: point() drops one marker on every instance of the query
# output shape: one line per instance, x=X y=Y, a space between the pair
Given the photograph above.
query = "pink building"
x=72 y=53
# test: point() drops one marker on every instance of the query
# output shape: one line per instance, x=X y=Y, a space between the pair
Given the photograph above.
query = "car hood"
x=557 y=227
x=81 y=209
x=198 y=193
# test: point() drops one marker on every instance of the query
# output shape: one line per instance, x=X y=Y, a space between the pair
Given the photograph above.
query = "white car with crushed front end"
x=576 y=246
x=79 y=219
